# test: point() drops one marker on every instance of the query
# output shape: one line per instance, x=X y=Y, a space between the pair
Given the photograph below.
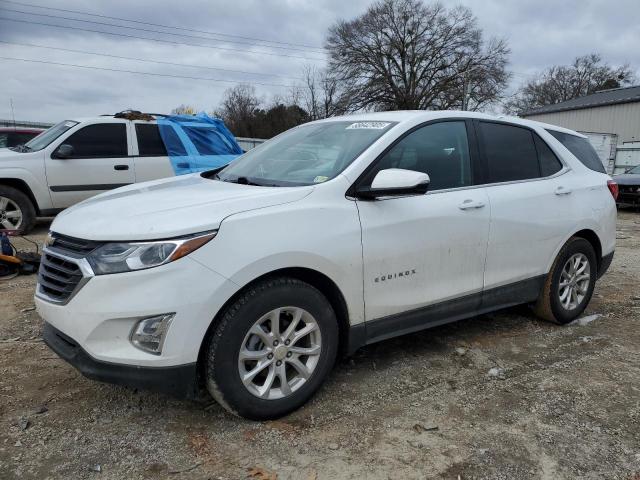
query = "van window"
x=99 y=140
x=440 y=150
x=581 y=149
x=149 y=142
x=510 y=152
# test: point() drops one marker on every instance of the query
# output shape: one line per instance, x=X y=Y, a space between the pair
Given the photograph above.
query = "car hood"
x=6 y=154
x=167 y=208
x=627 y=179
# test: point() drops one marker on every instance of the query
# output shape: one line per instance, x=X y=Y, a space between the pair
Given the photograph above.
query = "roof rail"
x=134 y=115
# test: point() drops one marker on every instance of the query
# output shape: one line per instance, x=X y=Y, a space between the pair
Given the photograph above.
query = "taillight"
x=613 y=188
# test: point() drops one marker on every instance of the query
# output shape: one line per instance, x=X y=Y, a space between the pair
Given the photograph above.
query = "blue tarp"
x=196 y=143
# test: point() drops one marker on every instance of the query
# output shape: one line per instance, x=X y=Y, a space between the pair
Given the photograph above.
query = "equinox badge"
x=393 y=276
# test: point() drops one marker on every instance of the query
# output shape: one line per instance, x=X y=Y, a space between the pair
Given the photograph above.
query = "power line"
x=164 y=26
x=58 y=17
x=145 y=60
x=138 y=72
x=157 y=39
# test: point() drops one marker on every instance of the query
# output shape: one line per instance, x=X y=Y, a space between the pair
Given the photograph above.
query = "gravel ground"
x=501 y=396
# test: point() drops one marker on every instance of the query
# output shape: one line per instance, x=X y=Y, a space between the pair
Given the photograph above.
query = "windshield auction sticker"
x=368 y=125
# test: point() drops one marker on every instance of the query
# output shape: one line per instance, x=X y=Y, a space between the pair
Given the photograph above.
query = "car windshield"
x=635 y=169
x=46 y=137
x=305 y=155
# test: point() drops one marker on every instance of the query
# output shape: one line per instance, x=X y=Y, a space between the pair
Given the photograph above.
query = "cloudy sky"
x=265 y=42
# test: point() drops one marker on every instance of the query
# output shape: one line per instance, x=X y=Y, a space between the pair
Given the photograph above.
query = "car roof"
x=427 y=115
x=103 y=119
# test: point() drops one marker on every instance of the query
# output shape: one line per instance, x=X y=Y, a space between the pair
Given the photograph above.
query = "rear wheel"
x=570 y=283
x=272 y=349
x=16 y=210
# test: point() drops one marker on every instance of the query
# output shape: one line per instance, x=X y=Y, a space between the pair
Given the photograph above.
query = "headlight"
x=129 y=256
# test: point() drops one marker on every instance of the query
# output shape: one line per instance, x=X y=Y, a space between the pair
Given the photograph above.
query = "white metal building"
x=610 y=118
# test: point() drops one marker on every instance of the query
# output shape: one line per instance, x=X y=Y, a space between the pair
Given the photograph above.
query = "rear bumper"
x=178 y=381
x=605 y=263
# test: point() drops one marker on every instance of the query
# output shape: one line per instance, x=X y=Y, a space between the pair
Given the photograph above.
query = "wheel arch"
x=587 y=234
x=592 y=237
x=314 y=278
x=22 y=186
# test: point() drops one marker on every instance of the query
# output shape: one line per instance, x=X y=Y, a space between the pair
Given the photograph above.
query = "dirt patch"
x=561 y=402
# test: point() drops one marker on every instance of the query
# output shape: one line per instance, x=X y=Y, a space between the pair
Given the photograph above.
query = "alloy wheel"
x=574 y=281
x=10 y=214
x=279 y=353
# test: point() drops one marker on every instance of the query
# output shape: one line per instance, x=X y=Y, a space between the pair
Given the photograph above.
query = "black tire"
x=549 y=306
x=24 y=204
x=221 y=368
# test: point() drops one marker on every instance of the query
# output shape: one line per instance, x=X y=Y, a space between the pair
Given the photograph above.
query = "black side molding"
x=441 y=313
x=87 y=188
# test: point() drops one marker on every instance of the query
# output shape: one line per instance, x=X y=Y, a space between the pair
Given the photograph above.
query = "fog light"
x=149 y=333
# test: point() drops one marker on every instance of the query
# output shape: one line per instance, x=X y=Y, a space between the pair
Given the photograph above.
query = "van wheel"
x=16 y=210
x=570 y=283
x=272 y=349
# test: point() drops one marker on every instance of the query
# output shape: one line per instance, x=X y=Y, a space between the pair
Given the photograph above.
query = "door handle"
x=470 y=204
x=562 y=191
x=121 y=167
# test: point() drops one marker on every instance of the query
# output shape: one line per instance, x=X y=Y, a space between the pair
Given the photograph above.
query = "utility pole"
x=13 y=115
x=466 y=90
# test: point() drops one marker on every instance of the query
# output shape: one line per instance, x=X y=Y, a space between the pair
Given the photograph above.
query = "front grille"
x=73 y=245
x=58 y=278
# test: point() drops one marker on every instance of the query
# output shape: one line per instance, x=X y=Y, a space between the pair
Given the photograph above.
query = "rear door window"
x=510 y=152
x=99 y=140
x=150 y=143
x=581 y=149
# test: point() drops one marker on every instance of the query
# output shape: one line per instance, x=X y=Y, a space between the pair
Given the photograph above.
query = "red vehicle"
x=12 y=137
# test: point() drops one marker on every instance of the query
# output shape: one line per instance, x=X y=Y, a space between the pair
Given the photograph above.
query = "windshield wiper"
x=21 y=149
x=246 y=181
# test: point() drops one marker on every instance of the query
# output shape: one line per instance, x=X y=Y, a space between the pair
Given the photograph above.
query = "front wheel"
x=570 y=283
x=16 y=210
x=271 y=349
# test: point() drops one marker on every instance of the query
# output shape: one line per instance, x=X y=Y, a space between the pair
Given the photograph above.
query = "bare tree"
x=247 y=116
x=586 y=75
x=320 y=95
x=404 y=54
x=238 y=109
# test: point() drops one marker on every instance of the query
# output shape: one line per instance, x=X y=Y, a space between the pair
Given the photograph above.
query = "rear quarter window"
x=581 y=149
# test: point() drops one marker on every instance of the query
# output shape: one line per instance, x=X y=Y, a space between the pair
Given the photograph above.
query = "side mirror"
x=64 y=151
x=394 y=182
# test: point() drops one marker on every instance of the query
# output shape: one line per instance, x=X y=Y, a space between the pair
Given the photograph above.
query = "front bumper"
x=102 y=313
x=178 y=381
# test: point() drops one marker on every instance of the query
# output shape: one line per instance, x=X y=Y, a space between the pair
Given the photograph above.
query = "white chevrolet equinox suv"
x=248 y=281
